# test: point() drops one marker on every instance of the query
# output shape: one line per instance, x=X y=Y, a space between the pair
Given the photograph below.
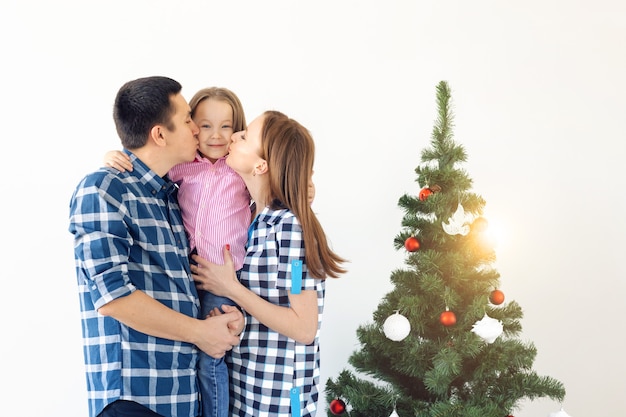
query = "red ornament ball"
x=496 y=297
x=425 y=193
x=447 y=318
x=337 y=406
x=411 y=244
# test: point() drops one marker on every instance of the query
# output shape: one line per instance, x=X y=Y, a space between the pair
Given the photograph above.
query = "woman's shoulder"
x=276 y=216
x=284 y=223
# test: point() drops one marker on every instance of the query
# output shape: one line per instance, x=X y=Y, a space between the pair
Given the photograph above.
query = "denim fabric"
x=213 y=373
x=208 y=301
x=213 y=377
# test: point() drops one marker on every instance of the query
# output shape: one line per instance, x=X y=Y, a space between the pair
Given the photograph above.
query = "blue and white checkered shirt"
x=267 y=365
x=128 y=235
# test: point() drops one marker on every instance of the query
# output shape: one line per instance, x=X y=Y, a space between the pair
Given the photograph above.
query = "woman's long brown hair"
x=289 y=150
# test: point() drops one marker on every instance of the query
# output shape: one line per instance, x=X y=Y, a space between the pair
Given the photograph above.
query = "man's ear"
x=157 y=135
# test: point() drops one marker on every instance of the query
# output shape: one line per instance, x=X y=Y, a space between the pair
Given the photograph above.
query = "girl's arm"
x=118 y=160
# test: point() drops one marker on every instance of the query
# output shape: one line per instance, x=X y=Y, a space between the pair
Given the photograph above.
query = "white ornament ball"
x=396 y=327
x=560 y=413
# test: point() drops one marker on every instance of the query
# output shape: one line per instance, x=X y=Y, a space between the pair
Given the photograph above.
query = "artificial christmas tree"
x=462 y=355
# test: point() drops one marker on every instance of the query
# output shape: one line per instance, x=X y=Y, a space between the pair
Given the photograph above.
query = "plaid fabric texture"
x=266 y=364
x=128 y=235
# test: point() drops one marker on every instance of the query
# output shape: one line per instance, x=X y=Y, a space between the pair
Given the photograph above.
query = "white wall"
x=538 y=90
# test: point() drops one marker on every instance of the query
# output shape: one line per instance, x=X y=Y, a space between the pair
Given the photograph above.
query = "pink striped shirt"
x=216 y=208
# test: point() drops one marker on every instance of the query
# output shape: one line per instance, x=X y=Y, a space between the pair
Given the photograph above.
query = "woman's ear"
x=260 y=167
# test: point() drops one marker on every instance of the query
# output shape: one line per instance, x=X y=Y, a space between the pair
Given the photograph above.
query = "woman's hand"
x=217 y=279
x=118 y=160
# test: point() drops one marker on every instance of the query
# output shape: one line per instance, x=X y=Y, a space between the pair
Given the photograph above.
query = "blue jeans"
x=213 y=373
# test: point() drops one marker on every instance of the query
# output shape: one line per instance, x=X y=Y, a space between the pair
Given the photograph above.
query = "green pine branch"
x=438 y=370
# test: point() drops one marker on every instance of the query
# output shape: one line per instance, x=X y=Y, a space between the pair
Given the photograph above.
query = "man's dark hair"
x=140 y=105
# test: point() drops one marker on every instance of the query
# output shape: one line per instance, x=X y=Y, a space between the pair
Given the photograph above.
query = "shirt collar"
x=159 y=187
x=200 y=158
x=270 y=216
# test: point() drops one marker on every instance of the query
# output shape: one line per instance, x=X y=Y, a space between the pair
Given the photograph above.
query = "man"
x=138 y=302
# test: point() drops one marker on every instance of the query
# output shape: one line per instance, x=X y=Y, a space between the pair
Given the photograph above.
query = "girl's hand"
x=214 y=312
x=235 y=326
x=118 y=160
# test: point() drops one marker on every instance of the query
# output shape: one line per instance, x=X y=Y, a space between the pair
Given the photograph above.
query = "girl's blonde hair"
x=225 y=95
x=289 y=150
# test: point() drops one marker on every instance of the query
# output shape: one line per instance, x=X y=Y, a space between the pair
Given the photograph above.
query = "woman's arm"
x=299 y=321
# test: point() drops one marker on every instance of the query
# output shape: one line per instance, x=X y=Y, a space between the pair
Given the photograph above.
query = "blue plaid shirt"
x=128 y=235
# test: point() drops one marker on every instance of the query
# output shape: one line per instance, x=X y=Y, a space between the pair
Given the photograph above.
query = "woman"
x=275 y=368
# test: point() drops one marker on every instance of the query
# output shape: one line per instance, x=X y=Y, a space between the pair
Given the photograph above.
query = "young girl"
x=275 y=368
x=215 y=205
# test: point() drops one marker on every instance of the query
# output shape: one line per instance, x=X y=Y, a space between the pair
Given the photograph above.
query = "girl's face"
x=215 y=120
x=245 y=148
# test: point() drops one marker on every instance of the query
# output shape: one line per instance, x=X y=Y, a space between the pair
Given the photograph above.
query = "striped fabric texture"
x=216 y=208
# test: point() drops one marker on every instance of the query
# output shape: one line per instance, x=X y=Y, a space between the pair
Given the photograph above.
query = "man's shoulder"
x=102 y=174
x=104 y=179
